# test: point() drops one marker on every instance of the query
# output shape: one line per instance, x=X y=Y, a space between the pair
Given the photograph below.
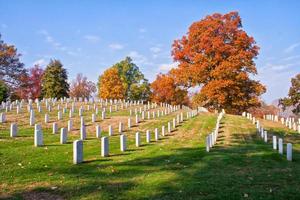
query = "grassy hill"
x=240 y=166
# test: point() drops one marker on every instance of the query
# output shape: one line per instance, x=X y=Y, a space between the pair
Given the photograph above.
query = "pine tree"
x=3 y=91
x=54 y=81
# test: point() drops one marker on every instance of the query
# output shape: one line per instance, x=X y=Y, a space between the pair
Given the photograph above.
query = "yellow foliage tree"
x=110 y=85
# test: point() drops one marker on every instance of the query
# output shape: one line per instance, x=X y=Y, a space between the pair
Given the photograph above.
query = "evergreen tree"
x=3 y=91
x=54 y=81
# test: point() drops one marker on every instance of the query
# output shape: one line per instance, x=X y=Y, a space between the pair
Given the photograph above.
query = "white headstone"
x=169 y=127
x=122 y=142
x=104 y=147
x=103 y=115
x=31 y=118
x=71 y=113
x=59 y=115
x=156 y=134
x=148 y=136
x=174 y=123
x=289 y=152
x=274 y=142
x=13 y=130
x=77 y=151
x=137 y=139
x=163 y=131
x=82 y=132
x=280 y=145
x=210 y=140
x=70 y=125
x=98 y=131
x=54 y=128
x=110 y=130
x=63 y=135
x=93 y=118
x=120 y=127
x=46 y=118
x=38 y=138
x=207 y=143
x=265 y=136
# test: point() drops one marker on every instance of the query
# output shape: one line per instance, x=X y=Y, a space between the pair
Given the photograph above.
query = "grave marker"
x=13 y=130
x=104 y=147
x=63 y=135
x=77 y=151
x=123 y=142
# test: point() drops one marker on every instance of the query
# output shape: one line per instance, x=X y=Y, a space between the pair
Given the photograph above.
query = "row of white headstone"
x=72 y=107
x=78 y=144
x=8 y=106
x=277 y=144
x=289 y=122
x=14 y=129
x=103 y=115
x=211 y=139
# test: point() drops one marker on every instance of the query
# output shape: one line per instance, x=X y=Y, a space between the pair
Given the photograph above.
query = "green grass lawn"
x=240 y=166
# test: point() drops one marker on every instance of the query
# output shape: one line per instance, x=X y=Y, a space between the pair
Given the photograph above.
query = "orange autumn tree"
x=218 y=55
x=110 y=85
x=165 y=90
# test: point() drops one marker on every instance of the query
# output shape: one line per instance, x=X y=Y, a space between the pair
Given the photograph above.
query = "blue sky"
x=90 y=36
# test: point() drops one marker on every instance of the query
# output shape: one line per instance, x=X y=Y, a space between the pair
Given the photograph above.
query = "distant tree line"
x=17 y=82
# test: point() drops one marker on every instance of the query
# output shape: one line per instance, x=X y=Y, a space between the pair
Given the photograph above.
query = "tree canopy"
x=135 y=85
x=11 y=68
x=81 y=87
x=31 y=84
x=110 y=85
x=165 y=90
x=54 y=81
x=3 y=91
x=218 y=55
x=293 y=98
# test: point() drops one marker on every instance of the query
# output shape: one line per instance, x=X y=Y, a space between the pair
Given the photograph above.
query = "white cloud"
x=291 y=58
x=40 y=62
x=43 y=32
x=154 y=56
x=138 y=58
x=49 y=39
x=291 y=47
x=155 y=49
x=142 y=30
x=72 y=53
x=116 y=46
x=167 y=67
x=279 y=67
x=92 y=38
